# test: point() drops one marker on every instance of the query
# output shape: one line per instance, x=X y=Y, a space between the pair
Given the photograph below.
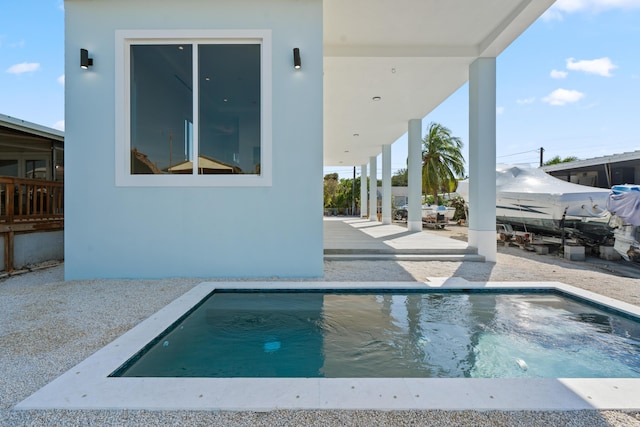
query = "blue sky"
x=570 y=83
x=32 y=61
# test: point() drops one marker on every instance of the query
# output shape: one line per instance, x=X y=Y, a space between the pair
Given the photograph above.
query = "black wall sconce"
x=296 y=58
x=85 y=61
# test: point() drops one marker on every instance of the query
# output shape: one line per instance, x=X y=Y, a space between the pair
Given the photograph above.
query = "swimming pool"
x=389 y=334
x=89 y=385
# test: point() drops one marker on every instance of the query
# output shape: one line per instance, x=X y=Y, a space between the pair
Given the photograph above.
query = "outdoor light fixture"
x=296 y=58
x=85 y=61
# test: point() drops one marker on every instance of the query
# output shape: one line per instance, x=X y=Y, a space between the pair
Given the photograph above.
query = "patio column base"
x=485 y=241
x=414 y=225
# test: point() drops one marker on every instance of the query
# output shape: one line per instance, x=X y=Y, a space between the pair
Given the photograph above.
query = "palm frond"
x=442 y=159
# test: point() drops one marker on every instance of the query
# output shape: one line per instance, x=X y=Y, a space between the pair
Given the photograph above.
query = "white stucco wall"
x=124 y=232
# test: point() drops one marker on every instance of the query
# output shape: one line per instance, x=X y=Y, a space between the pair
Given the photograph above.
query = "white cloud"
x=13 y=45
x=59 y=125
x=558 y=74
x=25 y=67
x=61 y=80
x=499 y=110
x=561 y=7
x=526 y=101
x=19 y=44
x=552 y=14
x=601 y=66
x=561 y=97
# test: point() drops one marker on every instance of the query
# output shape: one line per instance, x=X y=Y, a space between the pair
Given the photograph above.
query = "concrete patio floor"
x=352 y=238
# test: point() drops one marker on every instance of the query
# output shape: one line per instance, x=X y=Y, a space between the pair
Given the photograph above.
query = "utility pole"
x=541 y=160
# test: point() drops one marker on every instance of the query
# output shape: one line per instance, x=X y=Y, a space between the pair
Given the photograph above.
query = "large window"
x=196 y=109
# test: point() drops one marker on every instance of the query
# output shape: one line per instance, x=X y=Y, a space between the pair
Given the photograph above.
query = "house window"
x=25 y=165
x=9 y=167
x=36 y=169
x=197 y=109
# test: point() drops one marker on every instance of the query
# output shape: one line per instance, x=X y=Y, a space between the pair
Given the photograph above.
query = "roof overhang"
x=631 y=158
x=412 y=55
x=31 y=128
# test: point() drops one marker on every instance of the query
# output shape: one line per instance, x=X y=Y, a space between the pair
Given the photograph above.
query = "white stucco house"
x=187 y=123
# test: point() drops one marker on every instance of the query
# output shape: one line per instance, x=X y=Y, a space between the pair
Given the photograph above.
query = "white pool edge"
x=88 y=385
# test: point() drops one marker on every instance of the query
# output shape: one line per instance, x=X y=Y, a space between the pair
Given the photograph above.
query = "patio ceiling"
x=412 y=54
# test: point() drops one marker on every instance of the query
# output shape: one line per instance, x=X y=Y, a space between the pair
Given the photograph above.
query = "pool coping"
x=88 y=385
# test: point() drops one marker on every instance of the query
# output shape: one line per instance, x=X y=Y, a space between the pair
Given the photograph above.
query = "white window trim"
x=123 y=40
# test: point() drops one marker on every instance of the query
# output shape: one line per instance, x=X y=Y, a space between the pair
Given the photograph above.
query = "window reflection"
x=161 y=103
x=229 y=105
x=228 y=138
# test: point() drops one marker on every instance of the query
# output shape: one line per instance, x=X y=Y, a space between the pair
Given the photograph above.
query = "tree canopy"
x=556 y=160
x=400 y=178
x=338 y=193
x=442 y=160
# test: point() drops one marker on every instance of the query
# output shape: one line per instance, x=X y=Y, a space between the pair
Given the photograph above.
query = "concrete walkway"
x=351 y=238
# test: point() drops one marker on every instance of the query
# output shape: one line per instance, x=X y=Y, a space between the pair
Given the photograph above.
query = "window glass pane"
x=229 y=104
x=9 y=168
x=161 y=105
x=36 y=169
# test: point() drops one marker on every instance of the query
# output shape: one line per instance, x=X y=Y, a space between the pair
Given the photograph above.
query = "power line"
x=516 y=154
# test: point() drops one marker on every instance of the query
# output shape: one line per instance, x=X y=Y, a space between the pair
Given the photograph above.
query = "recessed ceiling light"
x=376 y=98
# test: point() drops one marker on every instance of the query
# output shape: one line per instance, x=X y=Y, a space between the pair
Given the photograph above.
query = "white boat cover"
x=523 y=179
x=626 y=205
x=515 y=181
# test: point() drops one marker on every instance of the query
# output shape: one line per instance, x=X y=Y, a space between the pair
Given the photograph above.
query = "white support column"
x=482 y=157
x=414 y=172
x=386 y=184
x=373 y=189
x=364 y=200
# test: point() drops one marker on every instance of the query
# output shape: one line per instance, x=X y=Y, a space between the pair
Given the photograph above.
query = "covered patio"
x=388 y=65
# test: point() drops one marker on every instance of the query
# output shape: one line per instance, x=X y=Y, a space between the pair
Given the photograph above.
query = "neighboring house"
x=28 y=150
x=31 y=194
x=152 y=85
x=399 y=195
x=602 y=172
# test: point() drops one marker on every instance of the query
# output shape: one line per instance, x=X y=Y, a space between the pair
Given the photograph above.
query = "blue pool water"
x=399 y=334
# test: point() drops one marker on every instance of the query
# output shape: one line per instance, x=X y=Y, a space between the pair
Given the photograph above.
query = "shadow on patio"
x=351 y=238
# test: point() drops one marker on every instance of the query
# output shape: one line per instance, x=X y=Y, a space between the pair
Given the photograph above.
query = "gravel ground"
x=47 y=326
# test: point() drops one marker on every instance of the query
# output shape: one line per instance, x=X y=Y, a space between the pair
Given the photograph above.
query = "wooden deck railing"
x=28 y=205
x=27 y=200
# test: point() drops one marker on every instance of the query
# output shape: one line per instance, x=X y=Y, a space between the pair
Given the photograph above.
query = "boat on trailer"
x=624 y=205
x=437 y=216
x=530 y=200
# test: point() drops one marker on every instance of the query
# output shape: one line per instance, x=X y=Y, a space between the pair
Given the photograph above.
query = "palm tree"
x=442 y=160
x=557 y=160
